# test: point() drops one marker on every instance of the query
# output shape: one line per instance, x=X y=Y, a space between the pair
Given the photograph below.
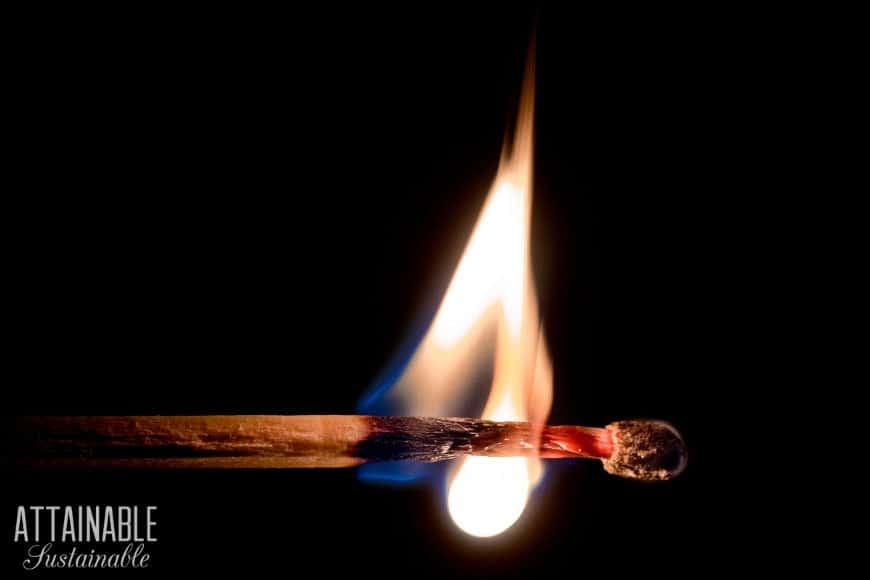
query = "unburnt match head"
x=645 y=449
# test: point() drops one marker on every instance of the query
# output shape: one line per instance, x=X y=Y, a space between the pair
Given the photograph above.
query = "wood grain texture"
x=218 y=441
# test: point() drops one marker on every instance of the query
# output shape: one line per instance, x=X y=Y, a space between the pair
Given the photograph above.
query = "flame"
x=491 y=293
x=488 y=494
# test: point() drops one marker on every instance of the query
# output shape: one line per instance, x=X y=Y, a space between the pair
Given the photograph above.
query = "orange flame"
x=492 y=288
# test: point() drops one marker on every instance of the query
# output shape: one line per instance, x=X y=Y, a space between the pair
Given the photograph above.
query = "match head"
x=646 y=450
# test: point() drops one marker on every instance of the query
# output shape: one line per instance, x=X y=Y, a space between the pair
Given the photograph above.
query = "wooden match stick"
x=640 y=449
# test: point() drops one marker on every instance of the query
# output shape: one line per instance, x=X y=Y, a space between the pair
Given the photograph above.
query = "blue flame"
x=398 y=473
x=377 y=401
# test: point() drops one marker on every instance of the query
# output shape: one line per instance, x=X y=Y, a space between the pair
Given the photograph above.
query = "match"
x=635 y=449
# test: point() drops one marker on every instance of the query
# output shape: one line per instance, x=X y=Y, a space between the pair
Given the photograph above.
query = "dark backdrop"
x=213 y=213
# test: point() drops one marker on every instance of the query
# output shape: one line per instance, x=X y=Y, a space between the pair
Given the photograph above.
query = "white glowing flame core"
x=491 y=271
x=489 y=494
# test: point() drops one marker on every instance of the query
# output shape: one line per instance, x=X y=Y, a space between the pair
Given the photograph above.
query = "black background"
x=217 y=213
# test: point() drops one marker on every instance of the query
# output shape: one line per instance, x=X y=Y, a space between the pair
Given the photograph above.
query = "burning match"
x=487 y=325
x=637 y=449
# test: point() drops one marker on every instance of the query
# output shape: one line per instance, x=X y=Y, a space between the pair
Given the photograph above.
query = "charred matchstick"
x=639 y=449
